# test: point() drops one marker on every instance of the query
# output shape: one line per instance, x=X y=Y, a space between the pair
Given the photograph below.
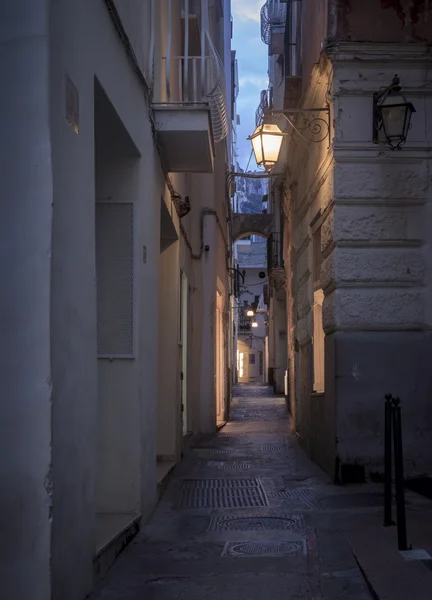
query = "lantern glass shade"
x=254 y=324
x=267 y=143
x=250 y=313
x=395 y=113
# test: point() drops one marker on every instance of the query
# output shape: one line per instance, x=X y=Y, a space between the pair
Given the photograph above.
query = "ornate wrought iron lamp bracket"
x=313 y=126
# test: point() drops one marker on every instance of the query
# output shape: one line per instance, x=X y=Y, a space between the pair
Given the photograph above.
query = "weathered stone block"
x=303 y=301
x=372 y=223
x=370 y=308
x=381 y=179
x=327 y=228
x=301 y=233
x=305 y=328
x=303 y=267
x=366 y=265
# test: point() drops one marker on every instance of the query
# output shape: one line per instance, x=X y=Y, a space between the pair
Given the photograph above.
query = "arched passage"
x=247 y=224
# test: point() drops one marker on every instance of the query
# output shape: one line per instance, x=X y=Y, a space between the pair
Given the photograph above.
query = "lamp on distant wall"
x=250 y=312
x=254 y=324
x=392 y=113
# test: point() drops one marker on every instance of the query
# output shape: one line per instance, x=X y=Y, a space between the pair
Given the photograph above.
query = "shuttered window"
x=114 y=274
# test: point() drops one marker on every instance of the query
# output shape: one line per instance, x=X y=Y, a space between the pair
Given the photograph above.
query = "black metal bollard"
x=399 y=477
x=388 y=461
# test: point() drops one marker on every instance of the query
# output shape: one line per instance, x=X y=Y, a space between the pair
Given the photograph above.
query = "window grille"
x=114 y=279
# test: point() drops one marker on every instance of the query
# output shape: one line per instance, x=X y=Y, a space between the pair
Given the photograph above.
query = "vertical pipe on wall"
x=203 y=45
x=152 y=40
x=388 y=461
x=186 y=51
x=168 y=50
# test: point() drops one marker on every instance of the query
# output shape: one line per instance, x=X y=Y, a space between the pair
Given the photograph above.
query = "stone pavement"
x=246 y=515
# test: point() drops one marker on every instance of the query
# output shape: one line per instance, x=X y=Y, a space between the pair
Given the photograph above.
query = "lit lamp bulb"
x=254 y=324
x=250 y=313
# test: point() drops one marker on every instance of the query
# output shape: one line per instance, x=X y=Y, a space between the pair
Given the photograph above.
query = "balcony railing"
x=274 y=12
x=195 y=80
x=266 y=102
x=244 y=323
x=275 y=252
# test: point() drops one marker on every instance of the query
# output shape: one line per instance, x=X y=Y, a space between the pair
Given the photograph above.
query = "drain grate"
x=254 y=523
x=214 y=450
x=275 y=448
x=272 y=549
x=237 y=482
x=295 y=497
x=234 y=465
x=222 y=493
x=229 y=465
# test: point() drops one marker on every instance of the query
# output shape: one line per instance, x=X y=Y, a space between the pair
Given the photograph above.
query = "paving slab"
x=245 y=515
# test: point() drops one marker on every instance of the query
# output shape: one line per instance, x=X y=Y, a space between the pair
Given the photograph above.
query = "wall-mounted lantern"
x=268 y=137
x=267 y=143
x=392 y=113
x=254 y=324
x=250 y=313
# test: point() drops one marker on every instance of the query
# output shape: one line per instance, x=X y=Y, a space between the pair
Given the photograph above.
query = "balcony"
x=193 y=118
x=273 y=21
x=244 y=323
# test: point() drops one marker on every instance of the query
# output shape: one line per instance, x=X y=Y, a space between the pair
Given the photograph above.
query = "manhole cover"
x=257 y=523
x=264 y=548
x=222 y=493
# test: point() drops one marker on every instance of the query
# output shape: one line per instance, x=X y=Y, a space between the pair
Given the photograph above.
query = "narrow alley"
x=245 y=515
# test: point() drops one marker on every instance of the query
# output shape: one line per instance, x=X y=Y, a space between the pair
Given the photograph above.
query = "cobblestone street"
x=246 y=515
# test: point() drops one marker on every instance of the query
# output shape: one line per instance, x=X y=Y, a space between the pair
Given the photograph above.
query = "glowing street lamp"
x=250 y=313
x=254 y=324
x=267 y=143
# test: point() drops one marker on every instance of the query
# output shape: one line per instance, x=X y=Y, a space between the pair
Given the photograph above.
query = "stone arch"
x=250 y=224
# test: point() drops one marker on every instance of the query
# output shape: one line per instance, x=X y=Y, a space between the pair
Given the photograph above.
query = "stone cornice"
x=377 y=53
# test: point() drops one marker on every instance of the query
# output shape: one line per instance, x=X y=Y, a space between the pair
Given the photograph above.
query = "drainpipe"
x=203 y=45
x=152 y=40
x=186 y=52
x=168 y=50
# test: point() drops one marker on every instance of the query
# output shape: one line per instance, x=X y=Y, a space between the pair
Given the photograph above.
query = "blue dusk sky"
x=252 y=56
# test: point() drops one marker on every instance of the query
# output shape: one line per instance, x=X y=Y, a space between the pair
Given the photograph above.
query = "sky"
x=252 y=56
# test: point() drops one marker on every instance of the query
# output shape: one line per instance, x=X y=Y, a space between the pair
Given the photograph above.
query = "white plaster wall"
x=99 y=53
x=25 y=372
x=168 y=420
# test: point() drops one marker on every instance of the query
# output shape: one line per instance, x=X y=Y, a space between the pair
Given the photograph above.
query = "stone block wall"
x=373 y=205
x=375 y=275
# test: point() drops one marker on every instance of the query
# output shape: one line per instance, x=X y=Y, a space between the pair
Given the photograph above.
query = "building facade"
x=115 y=243
x=356 y=245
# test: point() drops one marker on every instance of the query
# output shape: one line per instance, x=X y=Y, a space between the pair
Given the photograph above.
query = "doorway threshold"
x=113 y=532
x=164 y=469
